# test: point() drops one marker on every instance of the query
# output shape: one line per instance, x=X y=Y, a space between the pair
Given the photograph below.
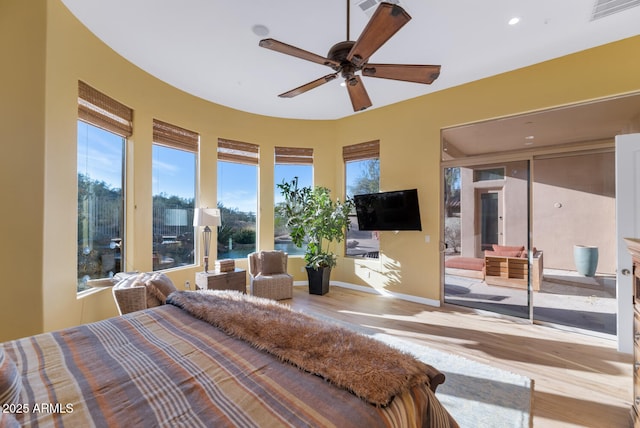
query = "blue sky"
x=238 y=186
x=353 y=172
x=287 y=172
x=173 y=172
x=238 y=183
x=100 y=155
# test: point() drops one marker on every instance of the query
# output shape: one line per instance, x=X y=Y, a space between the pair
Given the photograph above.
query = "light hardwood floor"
x=580 y=380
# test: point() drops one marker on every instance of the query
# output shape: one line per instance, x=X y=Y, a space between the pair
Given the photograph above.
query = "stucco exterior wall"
x=512 y=199
x=574 y=203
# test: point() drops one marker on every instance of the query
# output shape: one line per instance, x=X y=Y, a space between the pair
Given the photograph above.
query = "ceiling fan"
x=348 y=57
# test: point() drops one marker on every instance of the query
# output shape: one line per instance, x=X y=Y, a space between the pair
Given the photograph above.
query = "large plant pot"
x=318 y=280
x=586 y=259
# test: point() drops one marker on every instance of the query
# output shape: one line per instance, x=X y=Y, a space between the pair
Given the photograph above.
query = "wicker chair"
x=269 y=277
x=135 y=292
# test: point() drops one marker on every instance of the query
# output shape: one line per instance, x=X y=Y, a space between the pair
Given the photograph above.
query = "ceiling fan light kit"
x=348 y=57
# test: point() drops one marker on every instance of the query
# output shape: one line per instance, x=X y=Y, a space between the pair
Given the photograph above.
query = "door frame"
x=499 y=191
x=627 y=226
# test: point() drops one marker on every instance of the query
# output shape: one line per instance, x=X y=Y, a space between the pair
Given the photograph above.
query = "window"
x=237 y=198
x=362 y=175
x=174 y=192
x=103 y=126
x=488 y=174
x=290 y=162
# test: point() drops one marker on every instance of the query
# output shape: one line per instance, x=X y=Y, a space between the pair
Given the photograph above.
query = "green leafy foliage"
x=237 y=225
x=313 y=217
x=369 y=179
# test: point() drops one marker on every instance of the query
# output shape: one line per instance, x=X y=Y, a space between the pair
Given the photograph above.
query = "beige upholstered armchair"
x=141 y=291
x=269 y=277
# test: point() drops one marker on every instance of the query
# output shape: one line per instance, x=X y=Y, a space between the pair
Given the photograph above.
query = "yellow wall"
x=39 y=166
x=22 y=129
x=409 y=134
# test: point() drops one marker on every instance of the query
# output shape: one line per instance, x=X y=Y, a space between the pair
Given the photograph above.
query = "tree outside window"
x=362 y=176
x=100 y=204
x=238 y=203
x=174 y=187
x=452 y=210
x=103 y=127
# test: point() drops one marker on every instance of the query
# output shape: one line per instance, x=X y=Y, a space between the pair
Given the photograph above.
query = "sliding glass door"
x=574 y=227
x=486 y=237
x=534 y=239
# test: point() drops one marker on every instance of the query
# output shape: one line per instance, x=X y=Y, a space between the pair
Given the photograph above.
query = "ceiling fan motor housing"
x=339 y=52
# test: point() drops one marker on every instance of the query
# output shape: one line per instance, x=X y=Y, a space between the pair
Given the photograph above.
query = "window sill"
x=95 y=289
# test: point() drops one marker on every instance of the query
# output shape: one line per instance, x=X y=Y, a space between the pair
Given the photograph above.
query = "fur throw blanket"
x=367 y=367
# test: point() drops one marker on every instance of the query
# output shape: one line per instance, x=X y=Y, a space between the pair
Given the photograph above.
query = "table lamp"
x=206 y=217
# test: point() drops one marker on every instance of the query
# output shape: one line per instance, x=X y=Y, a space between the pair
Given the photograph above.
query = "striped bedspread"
x=163 y=367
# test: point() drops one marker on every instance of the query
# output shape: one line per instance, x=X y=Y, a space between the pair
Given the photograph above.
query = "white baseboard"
x=364 y=289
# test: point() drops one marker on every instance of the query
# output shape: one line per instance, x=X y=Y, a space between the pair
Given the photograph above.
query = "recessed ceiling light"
x=260 y=30
x=514 y=20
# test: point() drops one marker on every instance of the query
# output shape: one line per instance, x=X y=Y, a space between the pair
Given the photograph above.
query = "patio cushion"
x=503 y=253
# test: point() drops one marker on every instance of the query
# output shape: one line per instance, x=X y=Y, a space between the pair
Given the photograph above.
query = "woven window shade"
x=175 y=137
x=368 y=150
x=294 y=155
x=237 y=151
x=100 y=110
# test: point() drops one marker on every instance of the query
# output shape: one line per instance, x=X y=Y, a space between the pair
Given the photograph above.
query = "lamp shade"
x=206 y=217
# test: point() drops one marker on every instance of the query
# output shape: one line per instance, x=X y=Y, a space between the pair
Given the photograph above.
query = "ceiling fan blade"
x=408 y=73
x=385 y=22
x=358 y=94
x=308 y=86
x=284 y=48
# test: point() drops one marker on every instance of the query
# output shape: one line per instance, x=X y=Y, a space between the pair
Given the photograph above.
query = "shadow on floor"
x=587 y=303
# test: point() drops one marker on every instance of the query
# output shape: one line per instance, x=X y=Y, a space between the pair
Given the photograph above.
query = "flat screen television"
x=398 y=210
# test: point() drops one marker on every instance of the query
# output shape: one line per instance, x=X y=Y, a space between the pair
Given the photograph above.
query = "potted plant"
x=315 y=219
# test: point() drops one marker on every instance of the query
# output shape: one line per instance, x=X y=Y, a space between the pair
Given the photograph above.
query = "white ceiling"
x=579 y=123
x=207 y=47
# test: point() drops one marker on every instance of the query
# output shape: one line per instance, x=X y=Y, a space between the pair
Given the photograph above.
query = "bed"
x=212 y=358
